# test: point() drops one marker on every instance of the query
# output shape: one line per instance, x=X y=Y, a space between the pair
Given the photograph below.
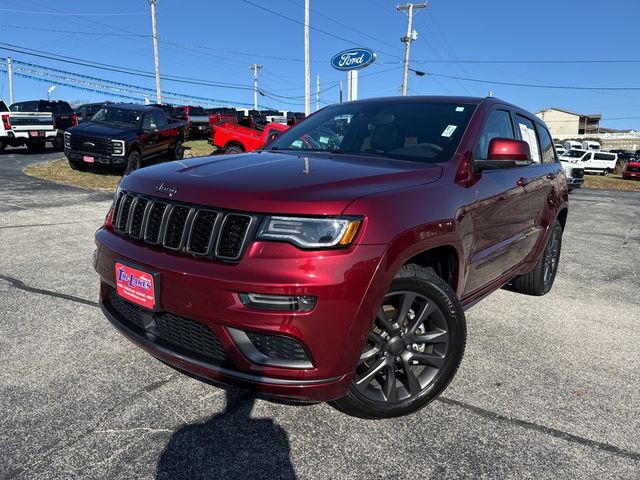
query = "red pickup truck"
x=234 y=138
x=338 y=266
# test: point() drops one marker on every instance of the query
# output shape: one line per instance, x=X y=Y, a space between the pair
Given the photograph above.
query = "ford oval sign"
x=353 y=59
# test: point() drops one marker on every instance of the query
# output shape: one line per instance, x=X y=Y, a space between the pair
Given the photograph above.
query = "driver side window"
x=498 y=126
x=146 y=121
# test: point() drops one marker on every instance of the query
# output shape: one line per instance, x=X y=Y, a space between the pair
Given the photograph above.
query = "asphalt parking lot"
x=549 y=387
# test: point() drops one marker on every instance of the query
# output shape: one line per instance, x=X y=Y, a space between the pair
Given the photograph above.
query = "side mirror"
x=505 y=153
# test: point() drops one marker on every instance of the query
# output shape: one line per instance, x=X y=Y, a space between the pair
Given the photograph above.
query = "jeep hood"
x=278 y=182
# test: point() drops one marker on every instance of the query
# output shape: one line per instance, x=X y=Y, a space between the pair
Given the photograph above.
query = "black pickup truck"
x=124 y=135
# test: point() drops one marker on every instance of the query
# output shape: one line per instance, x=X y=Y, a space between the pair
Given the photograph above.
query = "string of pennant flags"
x=88 y=83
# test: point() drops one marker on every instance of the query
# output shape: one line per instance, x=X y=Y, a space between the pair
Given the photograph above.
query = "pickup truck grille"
x=89 y=144
x=577 y=172
x=198 y=231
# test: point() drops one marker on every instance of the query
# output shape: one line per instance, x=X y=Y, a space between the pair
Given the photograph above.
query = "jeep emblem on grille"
x=89 y=144
x=162 y=188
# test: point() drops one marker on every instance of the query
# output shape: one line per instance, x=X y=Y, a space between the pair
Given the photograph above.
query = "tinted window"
x=420 y=132
x=498 y=126
x=3 y=106
x=197 y=111
x=158 y=118
x=603 y=156
x=24 y=107
x=117 y=116
x=546 y=145
x=528 y=134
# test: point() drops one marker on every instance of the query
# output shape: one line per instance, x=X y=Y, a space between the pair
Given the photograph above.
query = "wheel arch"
x=443 y=259
x=234 y=143
x=562 y=217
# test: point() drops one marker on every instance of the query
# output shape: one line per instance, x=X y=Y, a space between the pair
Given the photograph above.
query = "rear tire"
x=177 y=152
x=133 y=162
x=540 y=280
x=58 y=143
x=605 y=173
x=233 y=149
x=413 y=349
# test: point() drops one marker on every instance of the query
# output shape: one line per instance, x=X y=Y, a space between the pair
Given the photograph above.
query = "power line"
x=74 y=32
x=533 y=85
x=30 y=12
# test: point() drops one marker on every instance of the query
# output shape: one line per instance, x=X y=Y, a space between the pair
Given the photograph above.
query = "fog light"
x=303 y=303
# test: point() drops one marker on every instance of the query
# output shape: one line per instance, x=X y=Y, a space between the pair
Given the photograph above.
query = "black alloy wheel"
x=133 y=162
x=412 y=351
x=233 y=149
x=540 y=280
x=551 y=258
x=177 y=152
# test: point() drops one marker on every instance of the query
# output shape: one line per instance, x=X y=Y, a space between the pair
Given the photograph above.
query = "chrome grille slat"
x=198 y=231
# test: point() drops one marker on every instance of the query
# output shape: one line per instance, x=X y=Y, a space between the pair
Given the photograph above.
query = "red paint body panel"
x=497 y=223
x=632 y=171
x=225 y=134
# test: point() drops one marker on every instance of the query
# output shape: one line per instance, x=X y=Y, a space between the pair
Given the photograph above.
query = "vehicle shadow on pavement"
x=229 y=445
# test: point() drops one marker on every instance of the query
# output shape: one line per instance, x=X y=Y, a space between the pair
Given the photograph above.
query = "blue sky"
x=217 y=41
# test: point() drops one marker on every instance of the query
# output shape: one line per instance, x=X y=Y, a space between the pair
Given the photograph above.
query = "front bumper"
x=206 y=292
x=631 y=175
x=46 y=135
x=575 y=182
x=100 y=159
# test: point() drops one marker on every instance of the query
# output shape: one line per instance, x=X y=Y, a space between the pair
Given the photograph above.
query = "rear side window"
x=528 y=134
x=604 y=156
x=3 y=107
x=546 y=145
x=24 y=107
x=498 y=126
x=158 y=118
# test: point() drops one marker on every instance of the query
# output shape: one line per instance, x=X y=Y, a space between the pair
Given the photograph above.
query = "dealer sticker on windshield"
x=135 y=285
x=449 y=131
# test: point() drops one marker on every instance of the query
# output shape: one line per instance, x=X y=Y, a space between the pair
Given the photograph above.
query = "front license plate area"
x=136 y=286
x=88 y=159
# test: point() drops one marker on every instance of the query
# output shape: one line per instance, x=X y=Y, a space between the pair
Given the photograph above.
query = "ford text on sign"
x=353 y=59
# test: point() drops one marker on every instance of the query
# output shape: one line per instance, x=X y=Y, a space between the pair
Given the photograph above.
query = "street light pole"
x=410 y=37
x=255 y=68
x=156 y=59
x=307 y=68
x=10 y=74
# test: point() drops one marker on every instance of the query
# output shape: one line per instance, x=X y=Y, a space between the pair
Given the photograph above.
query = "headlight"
x=67 y=139
x=310 y=232
x=118 y=147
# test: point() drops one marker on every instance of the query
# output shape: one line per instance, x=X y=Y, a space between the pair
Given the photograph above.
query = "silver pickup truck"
x=32 y=129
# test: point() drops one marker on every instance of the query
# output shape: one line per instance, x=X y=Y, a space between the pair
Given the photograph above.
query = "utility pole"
x=410 y=37
x=340 y=91
x=10 y=75
x=318 y=93
x=307 y=68
x=255 y=68
x=156 y=60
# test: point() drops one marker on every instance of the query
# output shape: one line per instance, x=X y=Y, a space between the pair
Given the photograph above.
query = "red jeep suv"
x=337 y=262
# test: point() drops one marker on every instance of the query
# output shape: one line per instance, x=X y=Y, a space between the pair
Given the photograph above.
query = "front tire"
x=80 y=166
x=413 y=349
x=233 y=149
x=134 y=162
x=540 y=280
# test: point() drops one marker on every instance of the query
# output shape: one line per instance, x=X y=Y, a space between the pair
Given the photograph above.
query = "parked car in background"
x=632 y=171
x=574 y=173
x=171 y=114
x=33 y=129
x=293 y=117
x=124 y=135
x=559 y=148
x=590 y=145
x=197 y=119
x=569 y=144
x=252 y=119
x=592 y=161
x=63 y=115
x=86 y=111
x=234 y=138
x=316 y=272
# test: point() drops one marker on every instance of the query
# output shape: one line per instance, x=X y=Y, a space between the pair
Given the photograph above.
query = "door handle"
x=524 y=181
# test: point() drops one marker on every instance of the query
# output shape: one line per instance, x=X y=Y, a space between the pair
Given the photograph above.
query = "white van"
x=587 y=145
x=569 y=144
x=592 y=161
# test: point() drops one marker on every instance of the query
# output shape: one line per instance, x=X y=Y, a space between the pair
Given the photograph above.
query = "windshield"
x=121 y=117
x=197 y=111
x=419 y=132
x=574 y=153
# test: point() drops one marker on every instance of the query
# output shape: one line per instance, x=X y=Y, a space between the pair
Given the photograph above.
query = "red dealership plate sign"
x=136 y=286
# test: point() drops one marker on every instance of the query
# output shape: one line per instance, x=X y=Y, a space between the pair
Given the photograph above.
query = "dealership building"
x=565 y=123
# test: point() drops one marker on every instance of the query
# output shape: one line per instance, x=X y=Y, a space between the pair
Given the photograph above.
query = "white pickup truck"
x=32 y=129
